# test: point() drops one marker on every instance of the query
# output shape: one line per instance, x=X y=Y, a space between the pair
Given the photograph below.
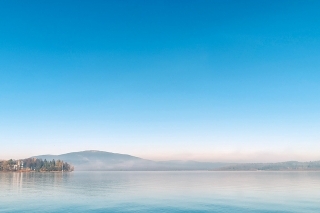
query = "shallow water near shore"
x=160 y=192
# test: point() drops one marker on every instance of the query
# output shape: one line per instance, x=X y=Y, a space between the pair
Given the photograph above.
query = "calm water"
x=160 y=192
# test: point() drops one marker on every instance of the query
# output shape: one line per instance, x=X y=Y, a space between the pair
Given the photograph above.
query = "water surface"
x=160 y=192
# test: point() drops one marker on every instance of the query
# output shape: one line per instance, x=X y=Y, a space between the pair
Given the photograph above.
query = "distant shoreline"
x=93 y=160
x=35 y=165
x=311 y=170
x=33 y=171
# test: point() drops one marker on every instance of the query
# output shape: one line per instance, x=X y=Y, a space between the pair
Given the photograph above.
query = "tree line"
x=34 y=164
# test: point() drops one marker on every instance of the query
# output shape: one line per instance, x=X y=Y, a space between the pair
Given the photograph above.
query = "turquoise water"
x=160 y=192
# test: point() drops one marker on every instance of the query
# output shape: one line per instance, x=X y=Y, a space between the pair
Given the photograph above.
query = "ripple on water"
x=160 y=192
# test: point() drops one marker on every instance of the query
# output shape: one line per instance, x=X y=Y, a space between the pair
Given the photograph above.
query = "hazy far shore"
x=94 y=160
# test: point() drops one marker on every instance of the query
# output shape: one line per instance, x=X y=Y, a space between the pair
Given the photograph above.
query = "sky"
x=216 y=80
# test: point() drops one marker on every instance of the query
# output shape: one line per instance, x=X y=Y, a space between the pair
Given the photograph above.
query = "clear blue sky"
x=204 y=80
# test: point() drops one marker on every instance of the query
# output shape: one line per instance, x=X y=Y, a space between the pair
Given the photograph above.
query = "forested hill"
x=94 y=160
x=35 y=164
x=106 y=161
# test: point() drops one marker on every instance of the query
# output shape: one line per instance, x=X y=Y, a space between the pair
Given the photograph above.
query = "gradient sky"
x=202 y=80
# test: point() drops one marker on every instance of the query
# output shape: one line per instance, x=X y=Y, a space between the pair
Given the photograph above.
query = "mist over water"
x=160 y=192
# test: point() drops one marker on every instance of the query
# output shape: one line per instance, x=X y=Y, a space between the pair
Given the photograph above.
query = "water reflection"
x=160 y=191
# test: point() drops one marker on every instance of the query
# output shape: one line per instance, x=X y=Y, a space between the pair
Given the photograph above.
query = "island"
x=35 y=165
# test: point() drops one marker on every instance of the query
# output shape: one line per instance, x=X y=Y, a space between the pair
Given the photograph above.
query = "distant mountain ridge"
x=281 y=166
x=93 y=160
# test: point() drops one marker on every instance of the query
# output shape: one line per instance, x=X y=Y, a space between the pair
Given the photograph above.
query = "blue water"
x=259 y=192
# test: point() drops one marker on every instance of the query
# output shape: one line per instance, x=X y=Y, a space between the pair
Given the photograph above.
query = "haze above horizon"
x=161 y=80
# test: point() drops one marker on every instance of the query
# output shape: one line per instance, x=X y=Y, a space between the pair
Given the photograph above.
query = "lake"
x=160 y=192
